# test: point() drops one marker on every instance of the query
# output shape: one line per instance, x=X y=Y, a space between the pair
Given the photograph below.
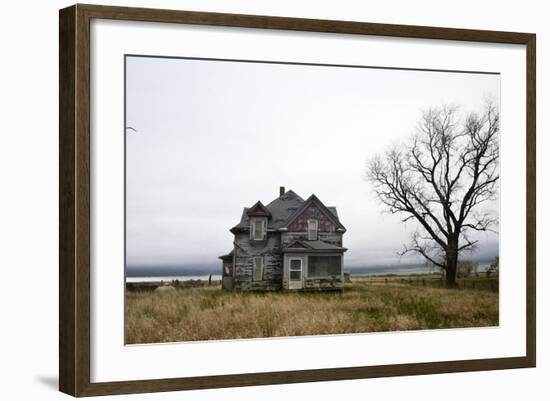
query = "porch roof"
x=228 y=256
x=313 y=247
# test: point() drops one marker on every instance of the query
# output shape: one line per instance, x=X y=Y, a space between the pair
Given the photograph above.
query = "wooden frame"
x=74 y=199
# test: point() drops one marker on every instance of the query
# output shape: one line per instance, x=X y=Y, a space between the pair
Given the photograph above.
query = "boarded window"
x=295 y=269
x=323 y=266
x=312 y=227
x=258 y=268
x=257 y=229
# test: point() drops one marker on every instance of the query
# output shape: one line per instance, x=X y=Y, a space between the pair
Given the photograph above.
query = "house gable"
x=258 y=210
x=297 y=245
x=314 y=209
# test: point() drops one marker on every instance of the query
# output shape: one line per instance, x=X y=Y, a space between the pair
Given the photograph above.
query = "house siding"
x=312 y=212
x=245 y=251
x=334 y=238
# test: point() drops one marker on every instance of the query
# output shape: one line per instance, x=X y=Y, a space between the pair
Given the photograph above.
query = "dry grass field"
x=366 y=305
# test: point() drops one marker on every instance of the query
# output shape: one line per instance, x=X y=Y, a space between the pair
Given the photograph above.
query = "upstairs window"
x=312 y=228
x=258 y=229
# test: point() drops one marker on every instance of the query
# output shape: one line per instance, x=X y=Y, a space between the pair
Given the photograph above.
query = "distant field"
x=367 y=305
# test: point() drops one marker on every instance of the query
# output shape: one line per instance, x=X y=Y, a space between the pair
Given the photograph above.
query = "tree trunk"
x=450 y=276
x=451 y=265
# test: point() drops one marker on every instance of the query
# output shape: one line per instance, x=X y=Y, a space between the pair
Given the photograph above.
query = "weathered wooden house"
x=288 y=244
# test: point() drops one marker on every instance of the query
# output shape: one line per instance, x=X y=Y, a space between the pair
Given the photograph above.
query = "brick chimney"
x=281 y=191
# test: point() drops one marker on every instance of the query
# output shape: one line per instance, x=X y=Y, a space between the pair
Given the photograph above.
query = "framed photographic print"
x=297 y=200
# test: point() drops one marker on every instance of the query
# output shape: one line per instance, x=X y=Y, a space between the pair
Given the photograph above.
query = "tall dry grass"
x=210 y=313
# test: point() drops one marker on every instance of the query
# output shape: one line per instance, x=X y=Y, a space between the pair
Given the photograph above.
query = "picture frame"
x=75 y=198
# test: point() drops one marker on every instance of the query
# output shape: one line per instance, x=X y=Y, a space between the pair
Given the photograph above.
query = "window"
x=324 y=266
x=257 y=229
x=295 y=269
x=258 y=268
x=312 y=227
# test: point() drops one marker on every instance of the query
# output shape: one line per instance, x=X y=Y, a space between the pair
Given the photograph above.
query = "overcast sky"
x=214 y=137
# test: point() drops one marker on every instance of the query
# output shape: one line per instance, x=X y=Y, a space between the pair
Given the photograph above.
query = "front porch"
x=313 y=266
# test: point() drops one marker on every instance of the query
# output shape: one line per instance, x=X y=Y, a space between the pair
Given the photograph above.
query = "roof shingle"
x=281 y=209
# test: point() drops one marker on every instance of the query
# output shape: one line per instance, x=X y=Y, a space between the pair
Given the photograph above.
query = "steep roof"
x=283 y=207
x=282 y=210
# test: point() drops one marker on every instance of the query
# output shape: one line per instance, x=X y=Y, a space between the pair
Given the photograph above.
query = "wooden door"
x=295 y=273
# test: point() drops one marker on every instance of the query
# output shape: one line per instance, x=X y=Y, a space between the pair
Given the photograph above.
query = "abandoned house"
x=288 y=244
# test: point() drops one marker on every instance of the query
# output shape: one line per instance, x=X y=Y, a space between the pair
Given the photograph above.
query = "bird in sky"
x=131 y=128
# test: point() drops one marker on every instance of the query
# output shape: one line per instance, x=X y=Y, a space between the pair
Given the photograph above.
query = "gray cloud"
x=214 y=137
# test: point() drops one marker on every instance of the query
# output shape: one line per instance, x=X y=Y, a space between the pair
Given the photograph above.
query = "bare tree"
x=493 y=267
x=441 y=179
